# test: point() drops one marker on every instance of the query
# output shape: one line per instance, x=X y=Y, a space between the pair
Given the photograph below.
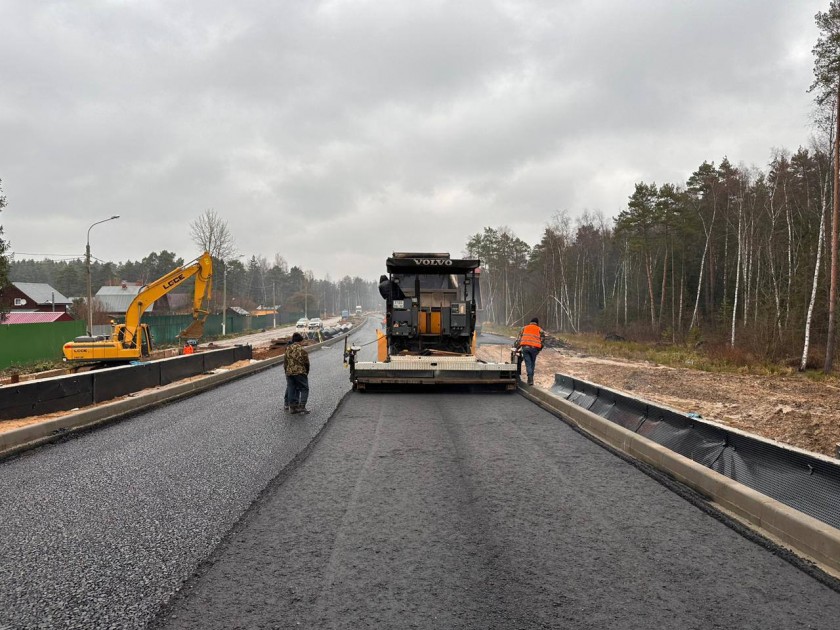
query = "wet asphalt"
x=101 y=529
x=453 y=510
x=436 y=510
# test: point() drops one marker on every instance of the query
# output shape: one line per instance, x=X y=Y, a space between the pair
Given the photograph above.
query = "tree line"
x=733 y=254
x=250 y=284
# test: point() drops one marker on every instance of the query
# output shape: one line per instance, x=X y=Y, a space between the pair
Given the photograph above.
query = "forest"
x=733 y=255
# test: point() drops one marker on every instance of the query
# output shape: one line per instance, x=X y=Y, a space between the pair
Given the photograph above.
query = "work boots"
x=299 y=409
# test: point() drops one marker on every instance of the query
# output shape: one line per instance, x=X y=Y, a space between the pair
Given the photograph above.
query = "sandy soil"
x=788 y=409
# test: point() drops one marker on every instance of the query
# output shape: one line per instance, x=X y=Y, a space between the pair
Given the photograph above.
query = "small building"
x=115 y=300
x=33 y=297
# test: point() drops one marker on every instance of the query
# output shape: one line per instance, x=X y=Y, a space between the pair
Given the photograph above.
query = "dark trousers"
x=529 y=356
x=297 y=390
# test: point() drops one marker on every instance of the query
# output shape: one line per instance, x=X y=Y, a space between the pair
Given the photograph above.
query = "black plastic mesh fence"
x=804 y=482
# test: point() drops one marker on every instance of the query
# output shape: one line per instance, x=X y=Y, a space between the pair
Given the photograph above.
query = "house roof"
x=118 y=299
x=238 y=310
x=41 y=292
x=16 y=317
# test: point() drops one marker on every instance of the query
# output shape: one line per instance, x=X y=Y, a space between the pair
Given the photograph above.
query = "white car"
x=315 y=324
x=302 y=325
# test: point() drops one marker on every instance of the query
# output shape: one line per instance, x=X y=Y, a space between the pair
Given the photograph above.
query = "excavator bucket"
x=194 y=331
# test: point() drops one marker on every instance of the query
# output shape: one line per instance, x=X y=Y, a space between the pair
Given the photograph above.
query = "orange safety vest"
x=531 y=336
x=188 y=349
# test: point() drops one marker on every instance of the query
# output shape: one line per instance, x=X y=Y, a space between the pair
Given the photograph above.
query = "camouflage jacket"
x=297 y=360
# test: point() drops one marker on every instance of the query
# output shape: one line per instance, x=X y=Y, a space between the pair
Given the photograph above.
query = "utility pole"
x=87 y=262
x=224 y=297
x=273 y=304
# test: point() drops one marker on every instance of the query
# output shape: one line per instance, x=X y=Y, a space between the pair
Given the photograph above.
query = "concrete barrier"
x=804 y=534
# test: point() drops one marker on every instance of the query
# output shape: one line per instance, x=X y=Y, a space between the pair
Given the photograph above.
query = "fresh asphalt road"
x=444 y=510
x=453 y=510
x=99 y=530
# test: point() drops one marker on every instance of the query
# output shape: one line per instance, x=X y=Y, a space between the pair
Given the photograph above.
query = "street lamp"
x=87 y=260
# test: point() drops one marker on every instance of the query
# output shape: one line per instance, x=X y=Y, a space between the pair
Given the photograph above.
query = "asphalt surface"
x=496 y=340
x=484 y=511
x=439 y=510
x=98 y=531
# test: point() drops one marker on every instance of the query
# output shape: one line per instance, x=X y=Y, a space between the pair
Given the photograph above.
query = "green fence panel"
x=29 y=343
x=166 y=328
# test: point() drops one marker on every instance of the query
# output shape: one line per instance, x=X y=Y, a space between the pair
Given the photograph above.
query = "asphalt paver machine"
x=428 y=336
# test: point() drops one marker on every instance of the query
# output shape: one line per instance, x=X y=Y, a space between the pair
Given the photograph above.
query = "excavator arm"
x=202 y=267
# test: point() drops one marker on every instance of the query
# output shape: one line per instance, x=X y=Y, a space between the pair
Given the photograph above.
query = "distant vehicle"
x=358 y=310
x=302 y=324
x=345 y=314
x=315 y=324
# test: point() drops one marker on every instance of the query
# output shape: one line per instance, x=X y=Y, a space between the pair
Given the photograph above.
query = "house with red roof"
x=18 y=317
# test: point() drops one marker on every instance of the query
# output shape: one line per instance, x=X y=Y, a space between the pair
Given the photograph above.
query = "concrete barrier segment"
x=805 y=535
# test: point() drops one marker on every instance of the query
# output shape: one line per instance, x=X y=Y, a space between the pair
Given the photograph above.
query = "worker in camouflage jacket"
x=296 y=366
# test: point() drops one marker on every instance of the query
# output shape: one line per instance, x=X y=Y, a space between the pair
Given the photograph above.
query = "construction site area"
x=430 y=486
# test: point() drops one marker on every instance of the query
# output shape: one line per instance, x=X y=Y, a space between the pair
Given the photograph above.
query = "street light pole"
x=87 y=262
x=224 y=298
x=273 y=304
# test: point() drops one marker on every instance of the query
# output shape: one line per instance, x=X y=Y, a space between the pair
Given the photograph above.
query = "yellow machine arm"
x=203 y=266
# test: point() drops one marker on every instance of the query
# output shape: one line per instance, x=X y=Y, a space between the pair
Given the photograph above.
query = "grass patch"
x=34 y=366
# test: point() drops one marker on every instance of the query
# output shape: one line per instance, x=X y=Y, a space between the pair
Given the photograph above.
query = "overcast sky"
x=336 y=132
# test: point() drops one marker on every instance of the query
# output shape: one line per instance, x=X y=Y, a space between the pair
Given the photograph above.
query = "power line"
x=47 y=255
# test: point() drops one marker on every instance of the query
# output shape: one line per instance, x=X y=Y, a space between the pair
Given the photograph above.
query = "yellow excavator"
x=132 y=340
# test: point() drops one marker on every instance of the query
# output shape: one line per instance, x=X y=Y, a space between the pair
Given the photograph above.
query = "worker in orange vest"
x=530 y=341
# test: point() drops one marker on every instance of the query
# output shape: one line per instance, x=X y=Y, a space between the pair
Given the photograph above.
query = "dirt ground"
x=788 y=409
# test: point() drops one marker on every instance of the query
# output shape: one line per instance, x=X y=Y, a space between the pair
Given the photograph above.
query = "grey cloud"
x=310 y=126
